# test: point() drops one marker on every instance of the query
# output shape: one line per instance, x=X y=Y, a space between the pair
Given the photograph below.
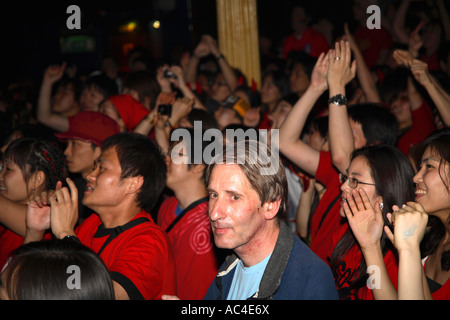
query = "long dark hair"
x=32 y=155
x=393 y=175
x=40 y=271
x=439 y=144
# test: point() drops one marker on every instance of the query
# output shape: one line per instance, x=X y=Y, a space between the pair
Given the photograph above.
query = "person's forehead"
x=228 y=174
x=109 y=155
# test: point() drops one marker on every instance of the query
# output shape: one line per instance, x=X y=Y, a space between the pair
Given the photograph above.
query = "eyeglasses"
x=352 y=182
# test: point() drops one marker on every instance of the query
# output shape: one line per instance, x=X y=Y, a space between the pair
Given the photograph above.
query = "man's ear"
x=271 y=209
x=135 y=184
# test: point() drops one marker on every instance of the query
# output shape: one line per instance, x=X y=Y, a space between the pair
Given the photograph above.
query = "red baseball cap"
x=130 y=110
x=90 y=126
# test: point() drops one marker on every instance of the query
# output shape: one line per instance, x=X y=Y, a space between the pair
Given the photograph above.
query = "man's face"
x=178 y=174
x=104 y=187
x=358 y=134
x=299 y=79
x=80 y=156
x=235 y=210
x=90 y=99
x=64 y=98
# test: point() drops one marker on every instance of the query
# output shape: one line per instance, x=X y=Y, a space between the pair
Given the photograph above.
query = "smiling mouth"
x=420 y=193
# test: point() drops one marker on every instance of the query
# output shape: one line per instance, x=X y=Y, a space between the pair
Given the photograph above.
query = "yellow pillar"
x=237 y=24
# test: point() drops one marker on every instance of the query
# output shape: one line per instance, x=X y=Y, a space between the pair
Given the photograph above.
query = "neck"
x=189 y=194
x=112 y=217
x=259 y=247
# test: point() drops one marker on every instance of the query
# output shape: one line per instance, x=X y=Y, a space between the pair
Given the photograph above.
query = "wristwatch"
x=73 y=238
x=339 y=100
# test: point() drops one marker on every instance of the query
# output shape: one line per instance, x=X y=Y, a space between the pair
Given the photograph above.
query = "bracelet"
x=168 y=124
x=147 y=118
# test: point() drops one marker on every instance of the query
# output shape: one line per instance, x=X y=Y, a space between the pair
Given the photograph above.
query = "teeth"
x=89 y=188
x=421 y=192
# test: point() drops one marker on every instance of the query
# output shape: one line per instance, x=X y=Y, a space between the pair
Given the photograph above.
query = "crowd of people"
x=358 y=206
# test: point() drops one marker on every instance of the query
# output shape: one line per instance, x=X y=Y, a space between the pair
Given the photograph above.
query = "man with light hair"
x=247 y=213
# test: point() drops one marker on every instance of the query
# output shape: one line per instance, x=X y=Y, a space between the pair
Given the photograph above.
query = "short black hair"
x=139 y=156
x=102 y=83
x=378 y=124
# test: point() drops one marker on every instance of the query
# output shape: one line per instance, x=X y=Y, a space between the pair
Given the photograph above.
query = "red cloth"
x=432 y=61
x=130 y=110
x=311 y=41
x=422 y=126
x=90 y=126
x=265 y=123
x=321 y=238
x=142 y=254
x=371 y=42
x=349 y=268
x=193 y=248
x=9 y=241
x=443 y=293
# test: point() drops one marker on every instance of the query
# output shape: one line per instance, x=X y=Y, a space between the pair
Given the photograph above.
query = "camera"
x=169 y=74
x=165 y=109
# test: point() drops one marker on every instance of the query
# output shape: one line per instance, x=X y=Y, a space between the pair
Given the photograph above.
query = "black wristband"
x=72 y=238
x=339 y=100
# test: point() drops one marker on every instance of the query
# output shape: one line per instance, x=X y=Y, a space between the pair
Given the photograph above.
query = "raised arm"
x=190 y=72
x=398 y=25
x=44 y=110
x=340 y=72
x=409 y=227
x=291 y=145
x=440 y=98
x=227 y=71
x=364 y=76
x=180 y=83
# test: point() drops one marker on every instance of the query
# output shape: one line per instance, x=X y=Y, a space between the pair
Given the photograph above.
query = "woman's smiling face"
x=432 y=184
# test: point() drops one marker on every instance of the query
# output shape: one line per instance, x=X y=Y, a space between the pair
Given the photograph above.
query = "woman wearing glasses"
x=378 y=178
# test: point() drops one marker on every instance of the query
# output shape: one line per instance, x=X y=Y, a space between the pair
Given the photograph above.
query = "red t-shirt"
x=321 y=232
x=9 y=241
x=311 y=41
x=193 y=247
x=348 y=270
x=371 y=42
x=140 y=259
x=422 y=126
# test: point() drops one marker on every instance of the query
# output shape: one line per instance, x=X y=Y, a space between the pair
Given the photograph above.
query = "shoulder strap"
x=186 y=210
x=328 y=210
x=121 y=229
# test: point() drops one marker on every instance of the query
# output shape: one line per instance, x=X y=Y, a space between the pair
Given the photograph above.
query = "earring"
x=381 y=206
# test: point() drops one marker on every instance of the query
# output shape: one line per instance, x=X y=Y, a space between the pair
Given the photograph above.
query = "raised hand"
x=419 y=69
x=64 y=210
x=365 y=220
x=409 y=226
x=403 y=57
x=38 y=215
x=54 y=73
x=341 y=69
x=319 y=73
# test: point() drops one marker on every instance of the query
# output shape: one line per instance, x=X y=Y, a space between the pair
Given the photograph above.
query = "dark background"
x=32 y=33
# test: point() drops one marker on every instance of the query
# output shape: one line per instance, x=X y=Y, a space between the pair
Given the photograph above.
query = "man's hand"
x=54 y=73
x=64 y=210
